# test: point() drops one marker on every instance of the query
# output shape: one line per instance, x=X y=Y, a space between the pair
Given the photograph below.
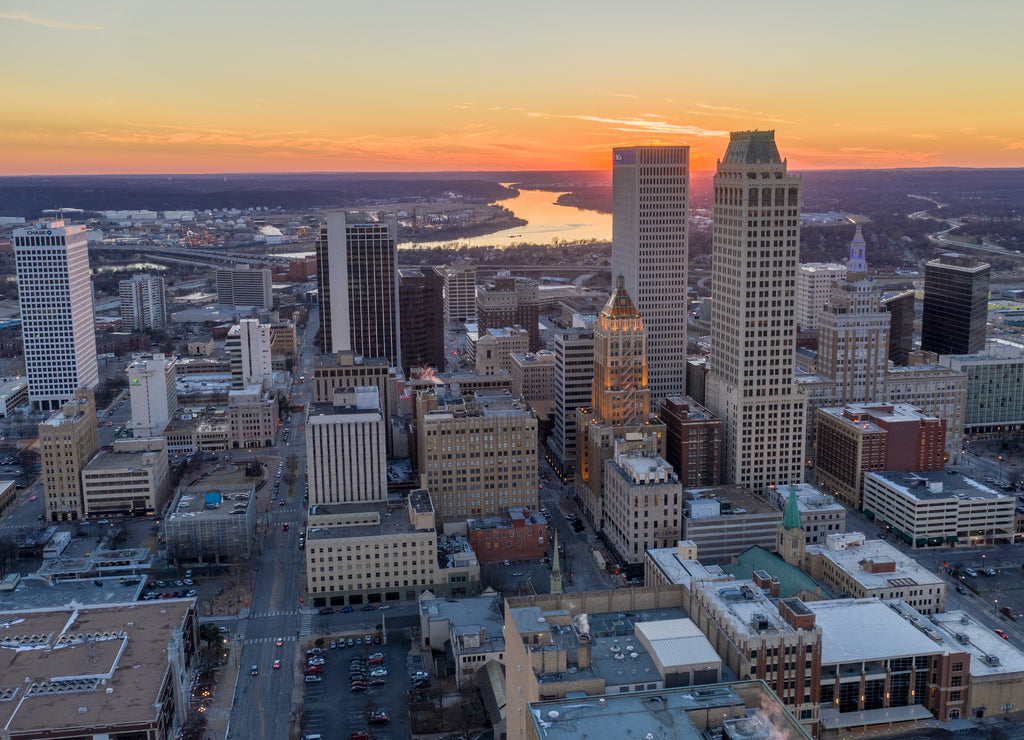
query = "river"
x=545 y=221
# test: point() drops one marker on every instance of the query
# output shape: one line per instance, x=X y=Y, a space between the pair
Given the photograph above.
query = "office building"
x=693 y=442
x=813 y=287
x=477 y=455
x=346 y=448
x=650 y=243
x=859 y=438
x=121 y=670
x=13 y=395
x=901 y=326
x=533 y=375
x=995 y=388
x=378 y=554
x=574 y=376
x=756 y=247
x=643 y=503
x=245 y=287
x=421 y=318
x=153 y=391
x=144 y=303
x=348 y=370
x=459 y=292
x=508 y=301
x=723 y=521
x=248 y=347
x=130 y=480
x=57 y=326
x=933 y=509
x=518 y=534
x=357 y=280
x=494 y=348
x=67 y=441
x=955 y=305
x=862 y=568
x=253 y=413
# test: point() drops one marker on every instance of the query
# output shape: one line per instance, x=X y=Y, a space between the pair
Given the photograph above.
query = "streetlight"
x=996 y=607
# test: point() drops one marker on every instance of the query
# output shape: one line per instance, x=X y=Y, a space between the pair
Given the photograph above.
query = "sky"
x=179 y=86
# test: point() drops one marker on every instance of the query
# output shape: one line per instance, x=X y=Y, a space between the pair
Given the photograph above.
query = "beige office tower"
x=650 y=242
x=755 y=247
x=67 y=441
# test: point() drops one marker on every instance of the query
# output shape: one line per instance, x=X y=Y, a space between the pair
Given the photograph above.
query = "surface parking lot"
x=333 y=711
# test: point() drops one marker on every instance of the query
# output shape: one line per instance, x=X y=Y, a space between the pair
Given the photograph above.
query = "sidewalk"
x=218 y=715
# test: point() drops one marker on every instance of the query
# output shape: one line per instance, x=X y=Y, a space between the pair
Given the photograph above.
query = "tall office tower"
x=57 y=325
x=853 y=333
x=477 y=456
x=245 y=287
x=248 y=347
x=693 y=442
x=509 y=301
x=955 y=305
x=650 y=244
x=154 y=393
x=421 y=318
x=620 y=393
x=459 y=292
x=900 y=306
x=755 y=249
x=346 y=448
x=143 y=302
x=357 y=276
x=67 y=441
x=813 y=287
x=574 y=376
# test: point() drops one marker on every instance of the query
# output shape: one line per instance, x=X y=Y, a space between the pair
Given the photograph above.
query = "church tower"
x=556 y=568
x=791 y=540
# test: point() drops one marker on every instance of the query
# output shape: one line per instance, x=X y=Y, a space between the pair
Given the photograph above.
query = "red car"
x=312 y=670
x=1002 y=634
x=359 y=735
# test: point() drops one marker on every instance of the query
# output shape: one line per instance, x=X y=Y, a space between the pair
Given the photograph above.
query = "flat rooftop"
x=106 y=460
x=742 y=600
x=387 y=522
x=855 y=630
x=193 y=500
x=681 y=571
x=668 y=714
x=991 y=655
x=809 y=500
x=735 y=496
x=110 y=660
x=920 y=486
x=32 y=593
x=907 y=572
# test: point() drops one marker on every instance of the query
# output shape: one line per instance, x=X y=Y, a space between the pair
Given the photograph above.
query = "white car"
x=379 y=672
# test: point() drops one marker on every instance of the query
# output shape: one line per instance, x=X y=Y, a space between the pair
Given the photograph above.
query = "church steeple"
x=791 y=539
x=791 y=516
x=857 y=266
x=556 y=569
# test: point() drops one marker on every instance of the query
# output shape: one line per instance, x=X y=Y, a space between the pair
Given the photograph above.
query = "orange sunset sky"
x=136 y=86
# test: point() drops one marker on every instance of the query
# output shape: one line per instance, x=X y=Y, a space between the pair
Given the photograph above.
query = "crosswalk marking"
x=261 y=640
x=264 y=615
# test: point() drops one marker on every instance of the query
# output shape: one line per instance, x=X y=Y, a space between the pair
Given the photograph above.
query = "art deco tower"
x=620 y=393
x=650 y=198
x=755 y=248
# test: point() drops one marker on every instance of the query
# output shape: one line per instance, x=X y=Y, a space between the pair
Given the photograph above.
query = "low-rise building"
x=211 y=525
x=678 y=566
x=936 y=509
x=200 y=345
x=117 y=671
x=853 y=565
x=13 y=395
x=372 y=553
x=8 y=497
x=131 y=480
x=495 y=347
x=517 y=535
x=252 y=417
x=820 y=514
x=197 y=434
x=472 y=629
x=725 y=520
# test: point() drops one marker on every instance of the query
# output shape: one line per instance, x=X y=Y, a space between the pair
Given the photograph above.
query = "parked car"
x=971 y=572
x=347 y=610
x=1002 y=634
x=313 y=679
x=334 y=644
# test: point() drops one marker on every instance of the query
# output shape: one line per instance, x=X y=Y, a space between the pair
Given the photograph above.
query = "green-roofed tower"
x=791 y=540
x=791 y=516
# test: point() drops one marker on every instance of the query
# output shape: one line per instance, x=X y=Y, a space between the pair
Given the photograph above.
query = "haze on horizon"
x=134 y=86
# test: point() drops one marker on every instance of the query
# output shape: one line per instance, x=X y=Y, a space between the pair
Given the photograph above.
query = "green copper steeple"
x=791 y=516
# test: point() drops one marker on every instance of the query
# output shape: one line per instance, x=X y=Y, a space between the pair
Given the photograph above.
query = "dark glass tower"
x=955 y=305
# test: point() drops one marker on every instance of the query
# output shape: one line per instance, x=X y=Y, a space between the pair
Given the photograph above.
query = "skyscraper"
x=420 y=307
x=459 y=292
x=143 y=302
x=153 y=392
x=357 y=277
x=650 y=242
x=248 y=347
x=57 y=326
x=755 y=246
x=245 y=287
x=955 y=305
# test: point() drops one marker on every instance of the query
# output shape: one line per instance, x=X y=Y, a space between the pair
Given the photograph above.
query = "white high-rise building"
x=459 y=292
x=574 y=377
x=755 y=250
x=248 y=345
x=245 y=287
x=346 y=450
x=650 y=245
x=357 y=280
x=57 y=325
x=813 y=289
x=143 y=302
x=153 y=393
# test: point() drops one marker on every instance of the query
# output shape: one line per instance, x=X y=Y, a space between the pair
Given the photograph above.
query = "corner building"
x=755 y=246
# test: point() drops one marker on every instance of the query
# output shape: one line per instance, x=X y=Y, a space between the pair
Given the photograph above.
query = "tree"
x=210 y=634
x=8 y=553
